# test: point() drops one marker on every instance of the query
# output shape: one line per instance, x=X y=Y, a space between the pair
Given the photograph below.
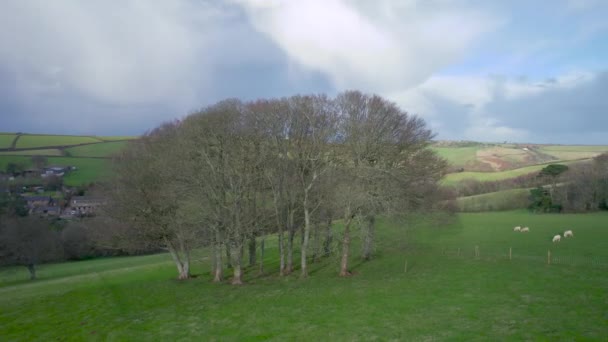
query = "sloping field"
x=453 y=178
x=504 y=157
x=494 y=201
x=117 y=137
x=440 y=296
x=40 y=152
x=32 y=141
x=105 y=149
x=87 y=169
x=6 y=140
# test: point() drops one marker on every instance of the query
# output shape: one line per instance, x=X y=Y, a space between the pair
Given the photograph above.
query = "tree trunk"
x=237 y=269
x=183 y=267
x=316 y=243
x=345 y=249
x=289 y=267
x=252 y=251
x=368 y=237
x=218 y=273
x=281 y=253
x=329 y=237
x=228 y=254
x=262 y=255
x=304 y=250
x=32 y=269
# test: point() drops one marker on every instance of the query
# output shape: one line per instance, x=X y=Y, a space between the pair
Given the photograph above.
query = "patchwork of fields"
x=90 y=155
x=440 y=296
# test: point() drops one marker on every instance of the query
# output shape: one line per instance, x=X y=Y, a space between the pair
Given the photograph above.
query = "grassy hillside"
x=6 y=140
x=478 y=157
x=494 y=201
x=105 y=149
x=444 y=295
x=40 y=141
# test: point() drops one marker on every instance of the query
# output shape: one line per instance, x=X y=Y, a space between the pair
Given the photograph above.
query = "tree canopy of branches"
x=234 y=172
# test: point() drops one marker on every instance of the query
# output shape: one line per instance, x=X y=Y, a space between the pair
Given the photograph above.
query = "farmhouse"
x=37 y=201
x=57 y=171
x=84 y=205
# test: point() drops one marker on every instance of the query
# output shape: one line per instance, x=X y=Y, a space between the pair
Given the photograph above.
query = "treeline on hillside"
x=233 y=173
x=578 y=188
x=30 y=240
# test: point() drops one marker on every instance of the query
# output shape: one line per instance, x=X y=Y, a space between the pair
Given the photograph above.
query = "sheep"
x=568 y=233
x=525 y=230
x=517 y=229
x=557 y=238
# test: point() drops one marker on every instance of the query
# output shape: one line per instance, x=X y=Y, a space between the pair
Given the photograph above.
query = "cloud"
x=376 y=47
x=570 y=108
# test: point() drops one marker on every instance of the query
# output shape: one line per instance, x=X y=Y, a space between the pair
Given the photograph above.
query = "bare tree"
x=28 y=241
x=144 y=195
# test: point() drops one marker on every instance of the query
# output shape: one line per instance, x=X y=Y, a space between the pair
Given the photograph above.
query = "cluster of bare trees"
x=583 y=187
x=233 y=173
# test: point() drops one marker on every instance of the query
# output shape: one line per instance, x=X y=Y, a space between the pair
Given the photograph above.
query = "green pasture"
x=117 y=137
x=105 y=149
x=31 y=141
x=454 y=178
x=458 y=156
x=20 y=160
x=439 y=295
x=40 y=152
x=6 y=140
x=87 y=169
x=494 y=201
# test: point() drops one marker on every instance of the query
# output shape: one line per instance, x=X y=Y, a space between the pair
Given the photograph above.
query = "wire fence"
x=550 y=257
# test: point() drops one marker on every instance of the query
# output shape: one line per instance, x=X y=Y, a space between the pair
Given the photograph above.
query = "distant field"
x=112 y=138
x=494 y=201
x=446 y=294
x=41 y=152
x=453 y=178
x=6 y=140
x=30 y=141
x=458 y=156
x=20 y=160
x=88 y=169
x=105 y=149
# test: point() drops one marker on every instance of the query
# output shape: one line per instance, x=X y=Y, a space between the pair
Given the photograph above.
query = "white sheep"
x=557 y=238
x=525 y=230
x=517 y=229
x=568 y=233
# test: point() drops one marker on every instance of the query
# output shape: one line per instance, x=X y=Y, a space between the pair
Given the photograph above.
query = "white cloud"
x=377 y=47
x=498 y=109
x=126 y=52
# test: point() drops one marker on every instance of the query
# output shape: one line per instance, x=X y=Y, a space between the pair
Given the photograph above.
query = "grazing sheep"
x=557 y=238
x=517 y=229
x=568 y=233
x=525 y=230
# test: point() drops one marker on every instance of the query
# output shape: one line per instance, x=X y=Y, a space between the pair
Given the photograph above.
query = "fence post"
x=510 y=255
x=548 y=257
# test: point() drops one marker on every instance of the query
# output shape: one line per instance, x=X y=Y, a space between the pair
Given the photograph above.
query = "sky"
x=516 y=71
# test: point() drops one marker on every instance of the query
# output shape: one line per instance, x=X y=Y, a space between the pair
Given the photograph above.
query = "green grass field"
x=40 y=152
x=442 y=296
x=458 y=156
x=117 y=137
x=105 y=149
x=494 y=201
x=6 y=140
x=32 y=141
x=88 y=169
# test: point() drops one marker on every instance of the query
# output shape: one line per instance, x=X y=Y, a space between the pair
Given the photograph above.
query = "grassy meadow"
x=105 y=149
x=443 y=295
x=35 y=140
x=6 y=140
